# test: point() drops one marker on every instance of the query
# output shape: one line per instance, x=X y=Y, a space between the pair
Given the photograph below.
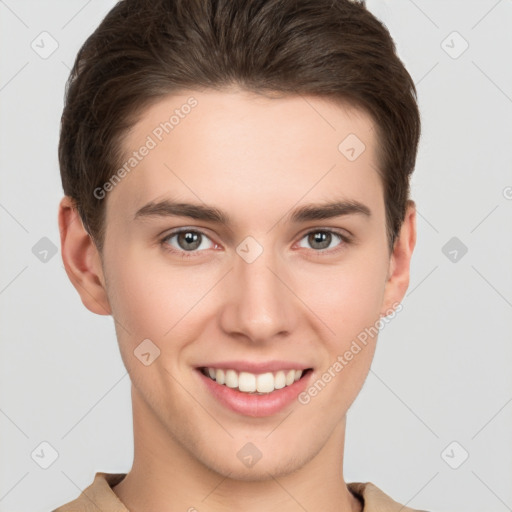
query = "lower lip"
x=256 y=405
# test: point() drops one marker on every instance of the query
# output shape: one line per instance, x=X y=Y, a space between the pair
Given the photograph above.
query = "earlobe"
x=81 y=259
x=399 y=264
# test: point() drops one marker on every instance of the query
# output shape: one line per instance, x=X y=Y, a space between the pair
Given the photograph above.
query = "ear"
x=399 y=264
x=81 y=259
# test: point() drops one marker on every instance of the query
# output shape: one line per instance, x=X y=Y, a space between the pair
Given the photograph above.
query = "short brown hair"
x=144 y=50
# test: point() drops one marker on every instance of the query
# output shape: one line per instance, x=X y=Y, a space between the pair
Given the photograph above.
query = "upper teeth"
x=250 y=382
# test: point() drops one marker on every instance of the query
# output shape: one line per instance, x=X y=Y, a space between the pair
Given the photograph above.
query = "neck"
x=166 y=477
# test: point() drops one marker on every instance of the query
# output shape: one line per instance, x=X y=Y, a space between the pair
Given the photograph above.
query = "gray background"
x=440 y=387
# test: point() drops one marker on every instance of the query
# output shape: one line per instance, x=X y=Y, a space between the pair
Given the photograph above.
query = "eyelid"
x=346 y=239
x=164 y=239
x=343 y=233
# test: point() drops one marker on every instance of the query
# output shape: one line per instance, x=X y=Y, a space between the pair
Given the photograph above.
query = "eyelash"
x=191 y=254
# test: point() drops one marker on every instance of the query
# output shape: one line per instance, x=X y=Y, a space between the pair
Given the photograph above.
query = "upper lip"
x=255 y=367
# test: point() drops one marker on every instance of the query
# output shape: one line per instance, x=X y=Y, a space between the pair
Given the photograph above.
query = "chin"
x=264 y=469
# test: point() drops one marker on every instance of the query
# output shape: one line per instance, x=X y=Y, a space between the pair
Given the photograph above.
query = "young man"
x=236 y=178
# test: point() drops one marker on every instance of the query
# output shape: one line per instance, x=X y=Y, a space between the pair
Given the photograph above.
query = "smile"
x=252 y=383
x=252 y=388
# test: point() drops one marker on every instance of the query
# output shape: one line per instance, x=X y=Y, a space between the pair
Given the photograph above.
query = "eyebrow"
x=319 y=211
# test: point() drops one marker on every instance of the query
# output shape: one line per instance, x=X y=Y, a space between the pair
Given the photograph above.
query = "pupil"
x=321 y=237
x=190 y=238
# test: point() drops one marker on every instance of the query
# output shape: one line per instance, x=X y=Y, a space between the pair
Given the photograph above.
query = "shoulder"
x=376 y=500
x=97 y=496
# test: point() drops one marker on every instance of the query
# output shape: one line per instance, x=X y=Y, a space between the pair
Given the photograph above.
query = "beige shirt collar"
x=100 y=496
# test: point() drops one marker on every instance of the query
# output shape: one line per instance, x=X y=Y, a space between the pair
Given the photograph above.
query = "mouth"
x=255 y=383
x=255 y=388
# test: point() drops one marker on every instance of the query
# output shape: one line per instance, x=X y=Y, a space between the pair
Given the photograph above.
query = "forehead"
x=212 y=146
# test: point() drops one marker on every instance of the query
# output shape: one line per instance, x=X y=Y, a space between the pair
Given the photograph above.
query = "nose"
x=260 y=304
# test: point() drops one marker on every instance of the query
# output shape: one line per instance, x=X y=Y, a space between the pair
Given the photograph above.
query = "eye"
x=187 y=241
x=321 y=239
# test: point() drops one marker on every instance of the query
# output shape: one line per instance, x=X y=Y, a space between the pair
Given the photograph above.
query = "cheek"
x=348 y=302
x=149 y=297
x=347 y=297
x=139 y=297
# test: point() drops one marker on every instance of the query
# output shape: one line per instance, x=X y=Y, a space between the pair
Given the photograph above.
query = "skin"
x=256 y=158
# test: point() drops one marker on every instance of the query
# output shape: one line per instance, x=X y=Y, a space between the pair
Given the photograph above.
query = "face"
x=222 y=251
